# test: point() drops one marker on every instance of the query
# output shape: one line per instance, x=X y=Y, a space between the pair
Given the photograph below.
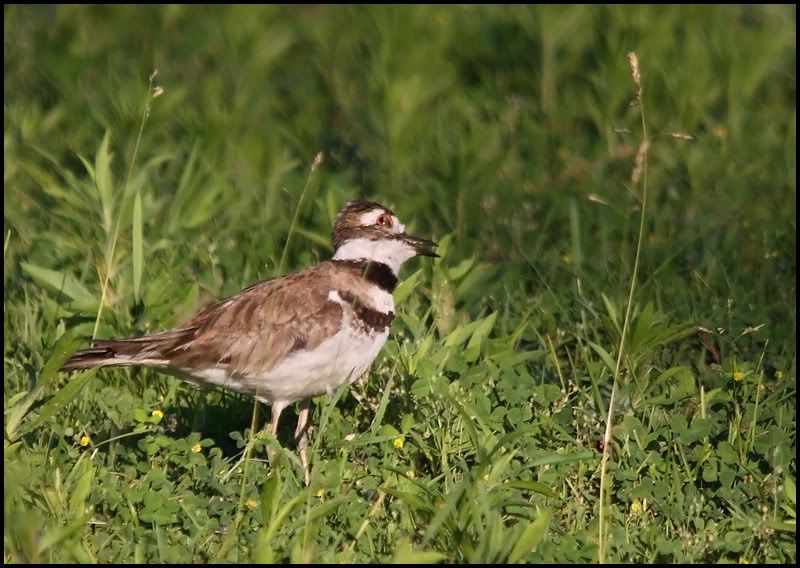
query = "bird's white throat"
x=391 y=252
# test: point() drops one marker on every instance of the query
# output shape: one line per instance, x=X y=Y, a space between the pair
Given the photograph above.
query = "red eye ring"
x=384 y=221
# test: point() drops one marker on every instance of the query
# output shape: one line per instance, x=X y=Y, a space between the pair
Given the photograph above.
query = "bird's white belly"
x=340 y=359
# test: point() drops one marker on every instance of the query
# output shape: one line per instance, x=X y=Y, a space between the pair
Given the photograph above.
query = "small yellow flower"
x=779 y=375
x=410 y=474
x=566 y=258
x=761 y=387
x=636 y=507
x=486 y=478
x=399 y=442
x=738 y=376
x=85 y=441
x=252 y=503
x=157 y=414
x=321 y=493
x=197 y=448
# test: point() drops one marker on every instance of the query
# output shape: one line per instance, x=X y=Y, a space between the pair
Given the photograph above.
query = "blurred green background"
x=508 y=132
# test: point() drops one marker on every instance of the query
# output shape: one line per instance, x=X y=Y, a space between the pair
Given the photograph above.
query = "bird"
x=290 y=338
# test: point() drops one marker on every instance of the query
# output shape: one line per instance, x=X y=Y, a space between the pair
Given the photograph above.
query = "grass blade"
x=604 y=355
x=405 y=554
x=61 y=399
x=530 y=537
x=138 y=254
x=63 y=349
x=62 y=282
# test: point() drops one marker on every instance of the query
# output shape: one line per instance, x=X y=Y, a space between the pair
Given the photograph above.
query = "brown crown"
x=348 y=222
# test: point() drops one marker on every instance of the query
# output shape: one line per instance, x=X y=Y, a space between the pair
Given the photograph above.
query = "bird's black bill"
x=423 y=247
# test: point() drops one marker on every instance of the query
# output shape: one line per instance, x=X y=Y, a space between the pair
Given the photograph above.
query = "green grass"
x=506 y=133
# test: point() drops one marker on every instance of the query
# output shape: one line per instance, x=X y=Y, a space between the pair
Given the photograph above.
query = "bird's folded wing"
x=256 y=329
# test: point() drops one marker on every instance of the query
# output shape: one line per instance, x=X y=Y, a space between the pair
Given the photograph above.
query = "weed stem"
x=112 y=249
x=640 y=168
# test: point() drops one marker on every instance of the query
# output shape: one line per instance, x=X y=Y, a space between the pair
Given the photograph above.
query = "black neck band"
x=376 y=273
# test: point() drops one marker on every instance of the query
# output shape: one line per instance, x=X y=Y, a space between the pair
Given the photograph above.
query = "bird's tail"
x=94 y=357
x=151 y=350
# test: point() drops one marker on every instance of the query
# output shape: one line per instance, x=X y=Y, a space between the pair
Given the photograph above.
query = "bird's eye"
x=384 y=221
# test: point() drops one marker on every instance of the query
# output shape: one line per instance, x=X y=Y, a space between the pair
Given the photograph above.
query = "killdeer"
x=290 y=338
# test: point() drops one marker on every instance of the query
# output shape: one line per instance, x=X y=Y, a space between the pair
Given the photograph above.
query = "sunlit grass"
x=506 y=133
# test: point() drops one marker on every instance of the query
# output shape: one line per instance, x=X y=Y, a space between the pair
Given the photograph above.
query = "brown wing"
x=259 y=327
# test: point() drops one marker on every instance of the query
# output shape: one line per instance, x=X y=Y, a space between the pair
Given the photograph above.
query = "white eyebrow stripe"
x=397 y=226
x=370 y=217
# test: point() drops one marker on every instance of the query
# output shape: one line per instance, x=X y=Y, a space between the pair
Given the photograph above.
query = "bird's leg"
x=277 y=409
x=301 y=437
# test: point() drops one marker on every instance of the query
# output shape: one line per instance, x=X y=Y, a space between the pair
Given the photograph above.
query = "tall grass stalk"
x=639 y=171
x=311 y=177
x=151 y=94
x=246 y=458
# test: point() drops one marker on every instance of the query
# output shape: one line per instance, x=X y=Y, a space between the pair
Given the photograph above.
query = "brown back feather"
x=260 y=326
x=249 y=332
